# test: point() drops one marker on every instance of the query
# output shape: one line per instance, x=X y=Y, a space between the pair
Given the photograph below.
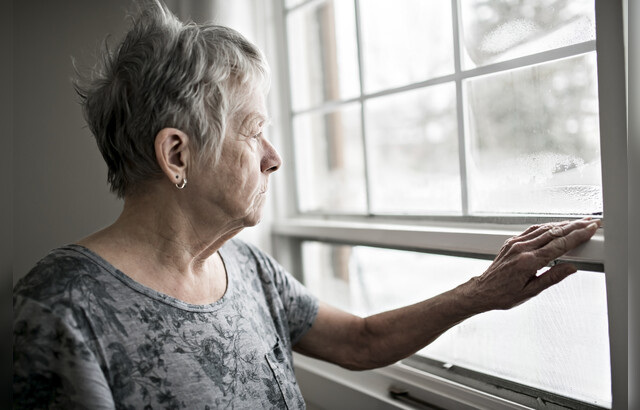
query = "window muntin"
x=556 y=342
x=554 y=99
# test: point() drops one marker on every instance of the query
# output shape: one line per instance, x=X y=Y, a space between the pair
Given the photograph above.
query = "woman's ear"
x=172 y=153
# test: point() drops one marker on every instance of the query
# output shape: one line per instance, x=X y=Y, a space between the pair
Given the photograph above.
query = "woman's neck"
x=161 y=245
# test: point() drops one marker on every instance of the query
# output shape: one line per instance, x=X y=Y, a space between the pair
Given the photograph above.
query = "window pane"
x=365 y=280
x=502 y=30
x=412 y=146
x=330 y=161
x=292 y=3
x=556 y=342
x=323 y=55
x=405 y=41
x=534 y=140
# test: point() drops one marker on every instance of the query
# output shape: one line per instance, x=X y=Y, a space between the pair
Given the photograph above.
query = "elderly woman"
x=163 y=308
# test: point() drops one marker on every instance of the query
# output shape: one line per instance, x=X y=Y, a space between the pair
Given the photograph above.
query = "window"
x=424 y=134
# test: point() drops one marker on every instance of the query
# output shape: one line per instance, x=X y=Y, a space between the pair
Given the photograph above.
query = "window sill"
x=318 y=381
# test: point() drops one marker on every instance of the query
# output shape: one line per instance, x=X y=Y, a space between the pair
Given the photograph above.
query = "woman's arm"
x=363 y=343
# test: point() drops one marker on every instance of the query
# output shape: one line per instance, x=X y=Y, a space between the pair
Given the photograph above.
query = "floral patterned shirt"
x=88 y=336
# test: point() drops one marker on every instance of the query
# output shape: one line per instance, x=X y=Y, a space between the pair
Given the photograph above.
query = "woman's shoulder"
x=61 y=271
x=248 y=253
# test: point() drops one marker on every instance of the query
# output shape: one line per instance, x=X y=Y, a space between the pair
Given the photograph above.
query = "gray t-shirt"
x=88 y=336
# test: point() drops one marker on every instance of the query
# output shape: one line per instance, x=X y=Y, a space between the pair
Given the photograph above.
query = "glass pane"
x=323 y=57
x=292 y=3
x=534 y=140
x=330 y=161
x=365 y=280
x=405 y=41
x=412 y=145
x=557 y=341
x=495 y=31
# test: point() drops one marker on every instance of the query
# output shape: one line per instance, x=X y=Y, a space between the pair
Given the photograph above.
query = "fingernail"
x=593 y=226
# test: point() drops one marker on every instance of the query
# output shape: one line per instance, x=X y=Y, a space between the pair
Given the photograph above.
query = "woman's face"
x=237 y=184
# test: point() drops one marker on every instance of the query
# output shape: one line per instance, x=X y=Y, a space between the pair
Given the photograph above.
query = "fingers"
x=540 y=229
x=536 y=236
x=554 y=231
x=519 y=238
x=551 y=277
x=572 y=236
x=539 y=245
x=546 y=233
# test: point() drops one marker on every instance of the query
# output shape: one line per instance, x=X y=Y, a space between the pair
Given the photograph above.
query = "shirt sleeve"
x=53 y=367
x=299 y=304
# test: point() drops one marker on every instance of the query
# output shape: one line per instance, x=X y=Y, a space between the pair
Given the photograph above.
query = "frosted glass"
x=494 y=31
x=330 y=161
x=323 y=56
x=405 y=41
x=557 y=341
x=534 y=143
x=412 y=147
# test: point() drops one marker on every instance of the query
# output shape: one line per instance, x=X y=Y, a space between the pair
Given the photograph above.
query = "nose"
x=271 y=160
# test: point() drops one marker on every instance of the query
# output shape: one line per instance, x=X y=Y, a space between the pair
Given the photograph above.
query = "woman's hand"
x=512 y=277
x=385 y=338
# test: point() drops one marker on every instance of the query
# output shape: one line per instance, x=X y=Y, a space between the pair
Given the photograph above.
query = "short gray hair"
x=166 y=73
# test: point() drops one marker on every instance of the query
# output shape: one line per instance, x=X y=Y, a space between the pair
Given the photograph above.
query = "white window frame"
x=475 y=237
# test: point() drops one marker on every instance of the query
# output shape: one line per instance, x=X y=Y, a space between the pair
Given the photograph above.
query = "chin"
x=252 y=220
x=254 y=215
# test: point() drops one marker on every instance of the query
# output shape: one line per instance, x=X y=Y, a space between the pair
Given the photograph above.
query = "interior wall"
x=633 y=89
x=60 y=188
x=6 y=198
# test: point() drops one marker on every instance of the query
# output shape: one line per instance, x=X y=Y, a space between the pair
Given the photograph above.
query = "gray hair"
x=166 y=73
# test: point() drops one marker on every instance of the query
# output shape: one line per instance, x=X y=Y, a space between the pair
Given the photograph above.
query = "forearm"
x=364 y=343
x=394 y=335
x=512 y=278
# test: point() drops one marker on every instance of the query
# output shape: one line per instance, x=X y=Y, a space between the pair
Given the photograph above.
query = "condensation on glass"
x=330 y=161
x=531 y=134
x=405 y=42
x=533 y=139
x=494 y=31
x=323 y=56
x=557 y=341
x=412 y=148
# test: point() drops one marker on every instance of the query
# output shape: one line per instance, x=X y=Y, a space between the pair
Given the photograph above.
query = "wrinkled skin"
x=378 y=340
x=512 y=277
